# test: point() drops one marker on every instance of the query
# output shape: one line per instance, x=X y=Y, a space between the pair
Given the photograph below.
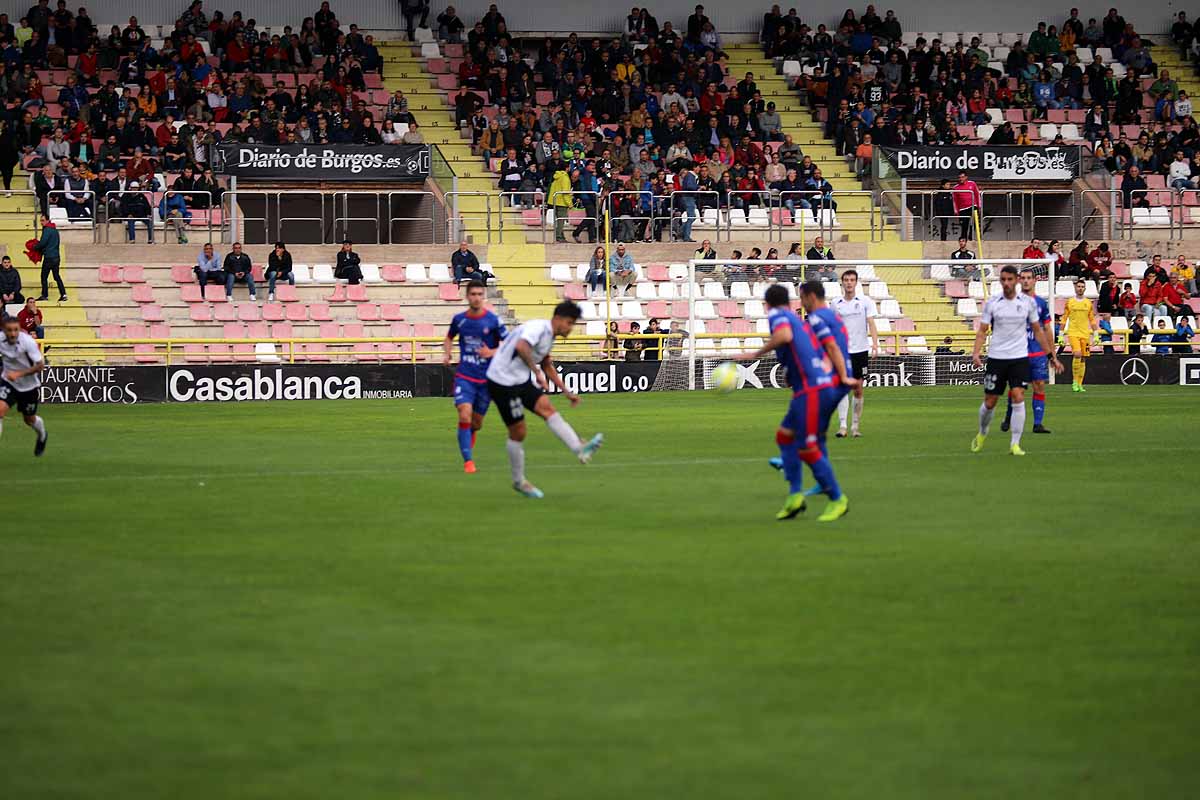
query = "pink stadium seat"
x=109 y=273
x=391 y=312
x=1194 y=304
x=956 y=289
x=218 y=352
x=282 y=330
x=146 y=354
x=1120 y=269
x=137 y=331
x=356 y=294
x=657 y=308
x=679 y=309
x=194 y=353
x=152 y=313
x=329 y=330
x=1015 y=115
x=316 y=351
x=1056 y=115
x=352 y=330
x=225 y=312
x=904 y=324
x=623 y=325
x=392 y=273
x=182 y=273
x=339 y=294
x=449 y=292
x=448 y=82
x=200 y=313
x=134 y=274
x=657 y=272
x=190 y=292
x=319 y=312
x=110 y=331
x=368 y=312
x=257 y=330
x=741 y=326
x=286 y=293
x=215 y=294
x=273 y=312
x=233 y=330
x=248 y=312
x=728 y=309
x=297 y=312
x=142 y=293
x=717 y=326
x=400 y=329
x=574 y=291
x=160 y=331
x=257 y=271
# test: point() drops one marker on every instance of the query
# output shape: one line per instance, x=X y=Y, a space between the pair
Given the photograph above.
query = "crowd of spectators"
x=648 y=124
x=132 y=110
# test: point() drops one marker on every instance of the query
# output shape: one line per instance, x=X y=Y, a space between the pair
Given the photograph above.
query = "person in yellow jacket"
x=560 y=200
x=1080 y=328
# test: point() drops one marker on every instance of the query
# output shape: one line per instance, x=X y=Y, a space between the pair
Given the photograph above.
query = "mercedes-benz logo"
x=1135 y=372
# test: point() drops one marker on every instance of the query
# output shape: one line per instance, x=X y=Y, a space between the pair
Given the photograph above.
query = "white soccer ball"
x=725 y=377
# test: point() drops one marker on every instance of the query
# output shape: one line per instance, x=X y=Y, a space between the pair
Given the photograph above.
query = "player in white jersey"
x=1009 y=316
x=21 y=381
x=858 y=315
x=524 y=353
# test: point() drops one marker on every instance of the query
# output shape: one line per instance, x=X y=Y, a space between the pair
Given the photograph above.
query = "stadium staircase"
x=16 y=218
x=428 y=101
x=853 y=211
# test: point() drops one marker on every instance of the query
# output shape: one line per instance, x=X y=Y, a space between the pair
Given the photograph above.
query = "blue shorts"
x=830 y=398
x=803 y=418
x=476 y=394
x=1039 y=368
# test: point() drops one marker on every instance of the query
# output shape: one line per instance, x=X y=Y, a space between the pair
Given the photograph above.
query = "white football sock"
x=1018 y=422
x=563 y=430
x=39 y=426
x=516 y=460
x=843 y=410
x=985 y=418
x=858 y=404
x=1 y=425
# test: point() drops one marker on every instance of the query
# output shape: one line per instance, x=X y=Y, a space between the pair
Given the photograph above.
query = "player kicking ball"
x=809 y=373
x=1081 y=328
x=479 y=333
x=523 y=353
x=1009 y=316
x=1039 y=364
x=21 y=379
x=858 y=314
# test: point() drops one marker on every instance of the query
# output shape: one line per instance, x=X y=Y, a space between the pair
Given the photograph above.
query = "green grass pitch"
x=312 y=601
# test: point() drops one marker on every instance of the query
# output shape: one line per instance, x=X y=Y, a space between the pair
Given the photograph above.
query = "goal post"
x=917 y=303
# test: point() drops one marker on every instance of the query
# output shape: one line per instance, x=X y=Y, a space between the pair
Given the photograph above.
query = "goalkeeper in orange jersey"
x=1080 y=329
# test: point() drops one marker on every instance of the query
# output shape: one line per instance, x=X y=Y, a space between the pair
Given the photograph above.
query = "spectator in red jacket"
x=1174 y=296
x=1128 y=302
x=1150 y=297
x=1034 y=249
x=30 y=318
x=1100 y=259
x=967 y=200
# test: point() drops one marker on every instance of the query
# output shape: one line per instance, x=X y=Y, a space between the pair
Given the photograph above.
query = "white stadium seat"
x=645 y=291
x=323 y=273
x=705 y=310
x=762 y=326
x=371 y=273
x=440 y=273
x=587 y=309
x=632 y=309
x=917 y=344
x=753 y=309
x=713 y=290
x=560 y=273
x=666 y=291
x=300 y=271
x=740 y=290
x=677 y=272
x=878 y=290
x=890 y=309
x=415 y=273
x=967 y=307
x=939 y=272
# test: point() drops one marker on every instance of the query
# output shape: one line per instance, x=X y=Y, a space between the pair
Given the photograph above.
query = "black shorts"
x=858 y=363
x=1002 y=372
x=25 y=402
x=511 y=401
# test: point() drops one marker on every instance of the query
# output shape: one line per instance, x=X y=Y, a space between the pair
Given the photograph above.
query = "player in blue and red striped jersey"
x=479 y=333
x=809 y=372
x=1039 y=361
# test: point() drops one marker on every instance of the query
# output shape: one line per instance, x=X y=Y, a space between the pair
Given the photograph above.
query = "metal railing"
x=680 y=217
x=129 y=222
x=89 y=202
x=392 y=219
x=233 y=217
x=456 y=218
x=595 y=218
x=187 y=220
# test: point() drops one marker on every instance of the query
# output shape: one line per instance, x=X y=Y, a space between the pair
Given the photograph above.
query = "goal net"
x=926 y=316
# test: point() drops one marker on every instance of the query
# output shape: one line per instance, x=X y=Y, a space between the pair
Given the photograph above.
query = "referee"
x=1009 y=316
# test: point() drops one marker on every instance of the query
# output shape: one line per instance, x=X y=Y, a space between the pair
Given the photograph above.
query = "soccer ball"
x=725 y=377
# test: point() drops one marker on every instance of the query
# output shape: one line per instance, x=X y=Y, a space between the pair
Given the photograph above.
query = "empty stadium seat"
x=916 y=344
x=248 y=312
x=368 y=312
x=415 y=273
x=967 y=307
x=890 y=309
x=645 y=291
x=134 y=274
x=449 y=292
x=705 y=310
x=632 y=309
x=678 y=272
x=200 y=312
x=393 y=273
x=272 y=312
x=356 y=293
x=301 y=274
x=754 y=309
x=878 y=290
x=297 y=312
x=560 y=273
x=713 y=290
x=142 y=293
x=370 y=273
x=319 y=312
x=322 y=273
x=740 y=290
x=225 y=312
x=439 y=273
